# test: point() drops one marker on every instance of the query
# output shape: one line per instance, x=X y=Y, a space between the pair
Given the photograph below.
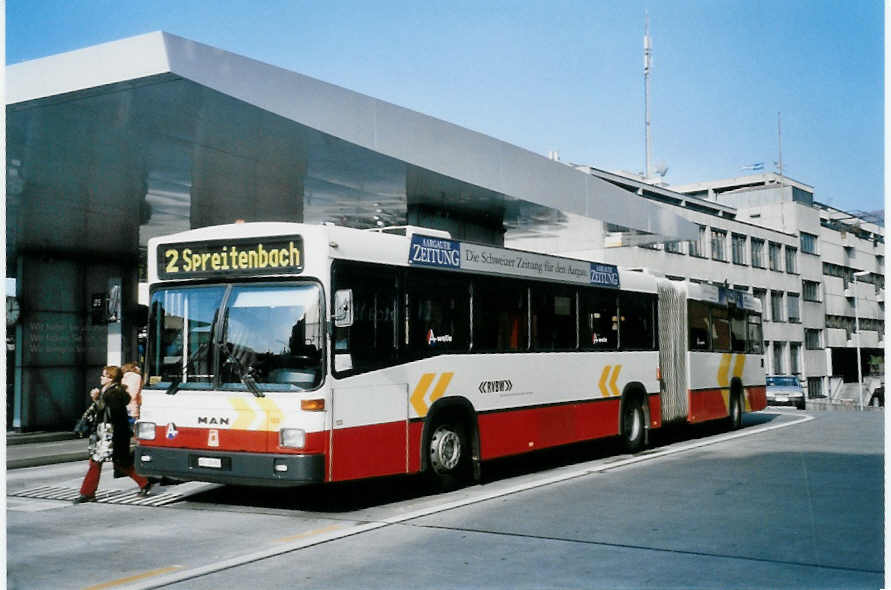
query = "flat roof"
x=358 y=159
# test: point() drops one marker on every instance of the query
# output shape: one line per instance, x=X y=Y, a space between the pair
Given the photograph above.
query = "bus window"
x=274 y=333
x=370 y=343
x=755 y=345
x=600 y=320
x=699 y=325
x=553 y=318
x=636 y=326
x=438 y=314
x=720 y=329
x=501 y=315
x=738 y=330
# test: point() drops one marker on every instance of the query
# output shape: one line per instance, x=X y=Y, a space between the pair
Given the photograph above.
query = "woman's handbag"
x=87 y=422
x=101 y=440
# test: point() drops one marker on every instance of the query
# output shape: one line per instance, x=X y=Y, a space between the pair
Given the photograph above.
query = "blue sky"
x=564 y=75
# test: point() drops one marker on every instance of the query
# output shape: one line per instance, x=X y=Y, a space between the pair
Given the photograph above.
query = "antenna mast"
x=647 y=63
x=780 y=146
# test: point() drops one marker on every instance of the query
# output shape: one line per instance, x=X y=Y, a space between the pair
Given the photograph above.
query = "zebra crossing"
x=129 y=497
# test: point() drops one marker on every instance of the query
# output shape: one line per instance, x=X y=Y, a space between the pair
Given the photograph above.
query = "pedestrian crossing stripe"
x=128 y=497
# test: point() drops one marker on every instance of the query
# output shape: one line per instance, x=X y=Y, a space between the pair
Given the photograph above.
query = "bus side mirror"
x=343 y=308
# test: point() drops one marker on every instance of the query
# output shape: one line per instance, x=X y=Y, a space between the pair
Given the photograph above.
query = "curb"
x=37 y=437
x=38 y=461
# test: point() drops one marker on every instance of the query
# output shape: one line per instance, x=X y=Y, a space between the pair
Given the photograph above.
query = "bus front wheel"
x=449 y=456
x=735 y=411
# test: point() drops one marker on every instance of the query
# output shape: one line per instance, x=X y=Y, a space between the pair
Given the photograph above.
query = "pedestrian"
x=110 y=438
x=132 y=382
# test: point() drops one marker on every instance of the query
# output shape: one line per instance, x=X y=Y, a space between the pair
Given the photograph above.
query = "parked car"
x=785 y=390
x=878 y=397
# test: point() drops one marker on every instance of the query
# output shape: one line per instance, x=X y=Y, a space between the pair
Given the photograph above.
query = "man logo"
x=171 y=431
x=213 y=438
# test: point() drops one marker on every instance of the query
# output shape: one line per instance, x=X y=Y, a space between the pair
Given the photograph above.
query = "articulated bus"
x=284 y=354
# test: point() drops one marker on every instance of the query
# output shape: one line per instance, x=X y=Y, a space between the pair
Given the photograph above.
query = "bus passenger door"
x=369 y=431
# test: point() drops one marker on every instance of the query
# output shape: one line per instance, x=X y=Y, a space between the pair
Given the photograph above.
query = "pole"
x=780 y=145
x=857 y=328
x=647 y=57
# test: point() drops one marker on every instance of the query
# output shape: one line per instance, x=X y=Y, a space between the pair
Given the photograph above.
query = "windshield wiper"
x=241 y=369
x=174 y=387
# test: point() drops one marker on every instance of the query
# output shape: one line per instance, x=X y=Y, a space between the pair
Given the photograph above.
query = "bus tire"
x=633 y=425
x=448 y=455
x=735 y=411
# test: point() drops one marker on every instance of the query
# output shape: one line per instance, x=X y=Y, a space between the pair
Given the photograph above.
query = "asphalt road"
x=793 y=500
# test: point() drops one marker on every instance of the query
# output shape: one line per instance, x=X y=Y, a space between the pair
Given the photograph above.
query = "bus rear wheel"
x=633 y=425
x=735 y=411
x=449 y=456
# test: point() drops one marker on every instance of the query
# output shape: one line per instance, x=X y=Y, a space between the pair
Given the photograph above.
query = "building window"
x=719 y=245
x=794 y=352
x=808 y=243
x=761 y=294
x=810 y=290
x=793 y=307
x=776 y=306
x=778 y=349
x=773 y=251
x=697 y=248
x=791 y=260
x=815 y=387
x=739 y=249
x=673 y=247
x=813 y=339
x=757 y=253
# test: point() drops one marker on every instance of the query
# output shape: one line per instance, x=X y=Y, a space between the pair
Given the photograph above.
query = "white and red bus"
x=284 y=354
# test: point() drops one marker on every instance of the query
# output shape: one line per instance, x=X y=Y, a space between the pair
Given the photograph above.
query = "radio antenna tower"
x=648 y=53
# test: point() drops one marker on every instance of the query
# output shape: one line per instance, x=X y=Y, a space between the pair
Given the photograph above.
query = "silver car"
x=785 y=390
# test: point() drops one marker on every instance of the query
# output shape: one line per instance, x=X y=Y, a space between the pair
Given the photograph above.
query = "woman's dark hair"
x=114 y=373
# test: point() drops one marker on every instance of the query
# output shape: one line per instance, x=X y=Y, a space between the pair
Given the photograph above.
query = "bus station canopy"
x=157 y=134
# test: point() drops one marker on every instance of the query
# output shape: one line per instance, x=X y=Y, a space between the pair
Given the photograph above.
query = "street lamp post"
x=857 y=275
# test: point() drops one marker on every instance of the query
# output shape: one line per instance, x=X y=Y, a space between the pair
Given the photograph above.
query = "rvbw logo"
x=496 y=386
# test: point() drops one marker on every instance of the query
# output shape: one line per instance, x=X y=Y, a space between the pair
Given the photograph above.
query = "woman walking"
x=110 y=437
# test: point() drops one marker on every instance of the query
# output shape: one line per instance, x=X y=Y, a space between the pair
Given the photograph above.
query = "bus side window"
x=699 y=325
x=370 y=343
x=738 y=330
x=599 y=319
x=553 y=317
x=438 y=313
x=755 y=345
x=501 y=315
x=636 y=328
x=720 y=329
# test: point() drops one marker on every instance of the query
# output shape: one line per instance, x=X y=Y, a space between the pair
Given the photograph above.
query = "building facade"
x=818 y=271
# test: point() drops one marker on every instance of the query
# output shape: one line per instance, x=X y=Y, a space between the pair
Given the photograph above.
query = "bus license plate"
x=212 y=462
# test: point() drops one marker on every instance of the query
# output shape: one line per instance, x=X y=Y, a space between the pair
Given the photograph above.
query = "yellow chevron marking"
x=417 y=396
x=441 y=386
x=603 y=377
x=273 y=413
x=739 y=365
x=723 y=369
x=748 y=403
x=244 y=412
x=612 y=382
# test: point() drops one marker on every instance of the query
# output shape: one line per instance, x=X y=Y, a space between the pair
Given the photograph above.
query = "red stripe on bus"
x=518 y=431
x=757 y=397
x=244 y=441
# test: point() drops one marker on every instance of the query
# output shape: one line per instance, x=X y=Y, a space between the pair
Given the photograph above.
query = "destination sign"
x=453 y=255
x=253 y=256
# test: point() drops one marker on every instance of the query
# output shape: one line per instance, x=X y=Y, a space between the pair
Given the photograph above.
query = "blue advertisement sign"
x=437 y=252
x=604 y=275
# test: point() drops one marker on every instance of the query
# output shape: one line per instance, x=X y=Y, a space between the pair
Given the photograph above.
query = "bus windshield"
x=218 y=337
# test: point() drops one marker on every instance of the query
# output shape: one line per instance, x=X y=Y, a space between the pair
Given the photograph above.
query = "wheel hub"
x=445 y=450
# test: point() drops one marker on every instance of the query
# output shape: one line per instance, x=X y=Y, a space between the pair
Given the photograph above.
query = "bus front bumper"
x=256 y=469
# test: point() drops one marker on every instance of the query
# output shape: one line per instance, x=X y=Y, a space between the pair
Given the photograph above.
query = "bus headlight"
x=294 y=438
x=145 y=430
